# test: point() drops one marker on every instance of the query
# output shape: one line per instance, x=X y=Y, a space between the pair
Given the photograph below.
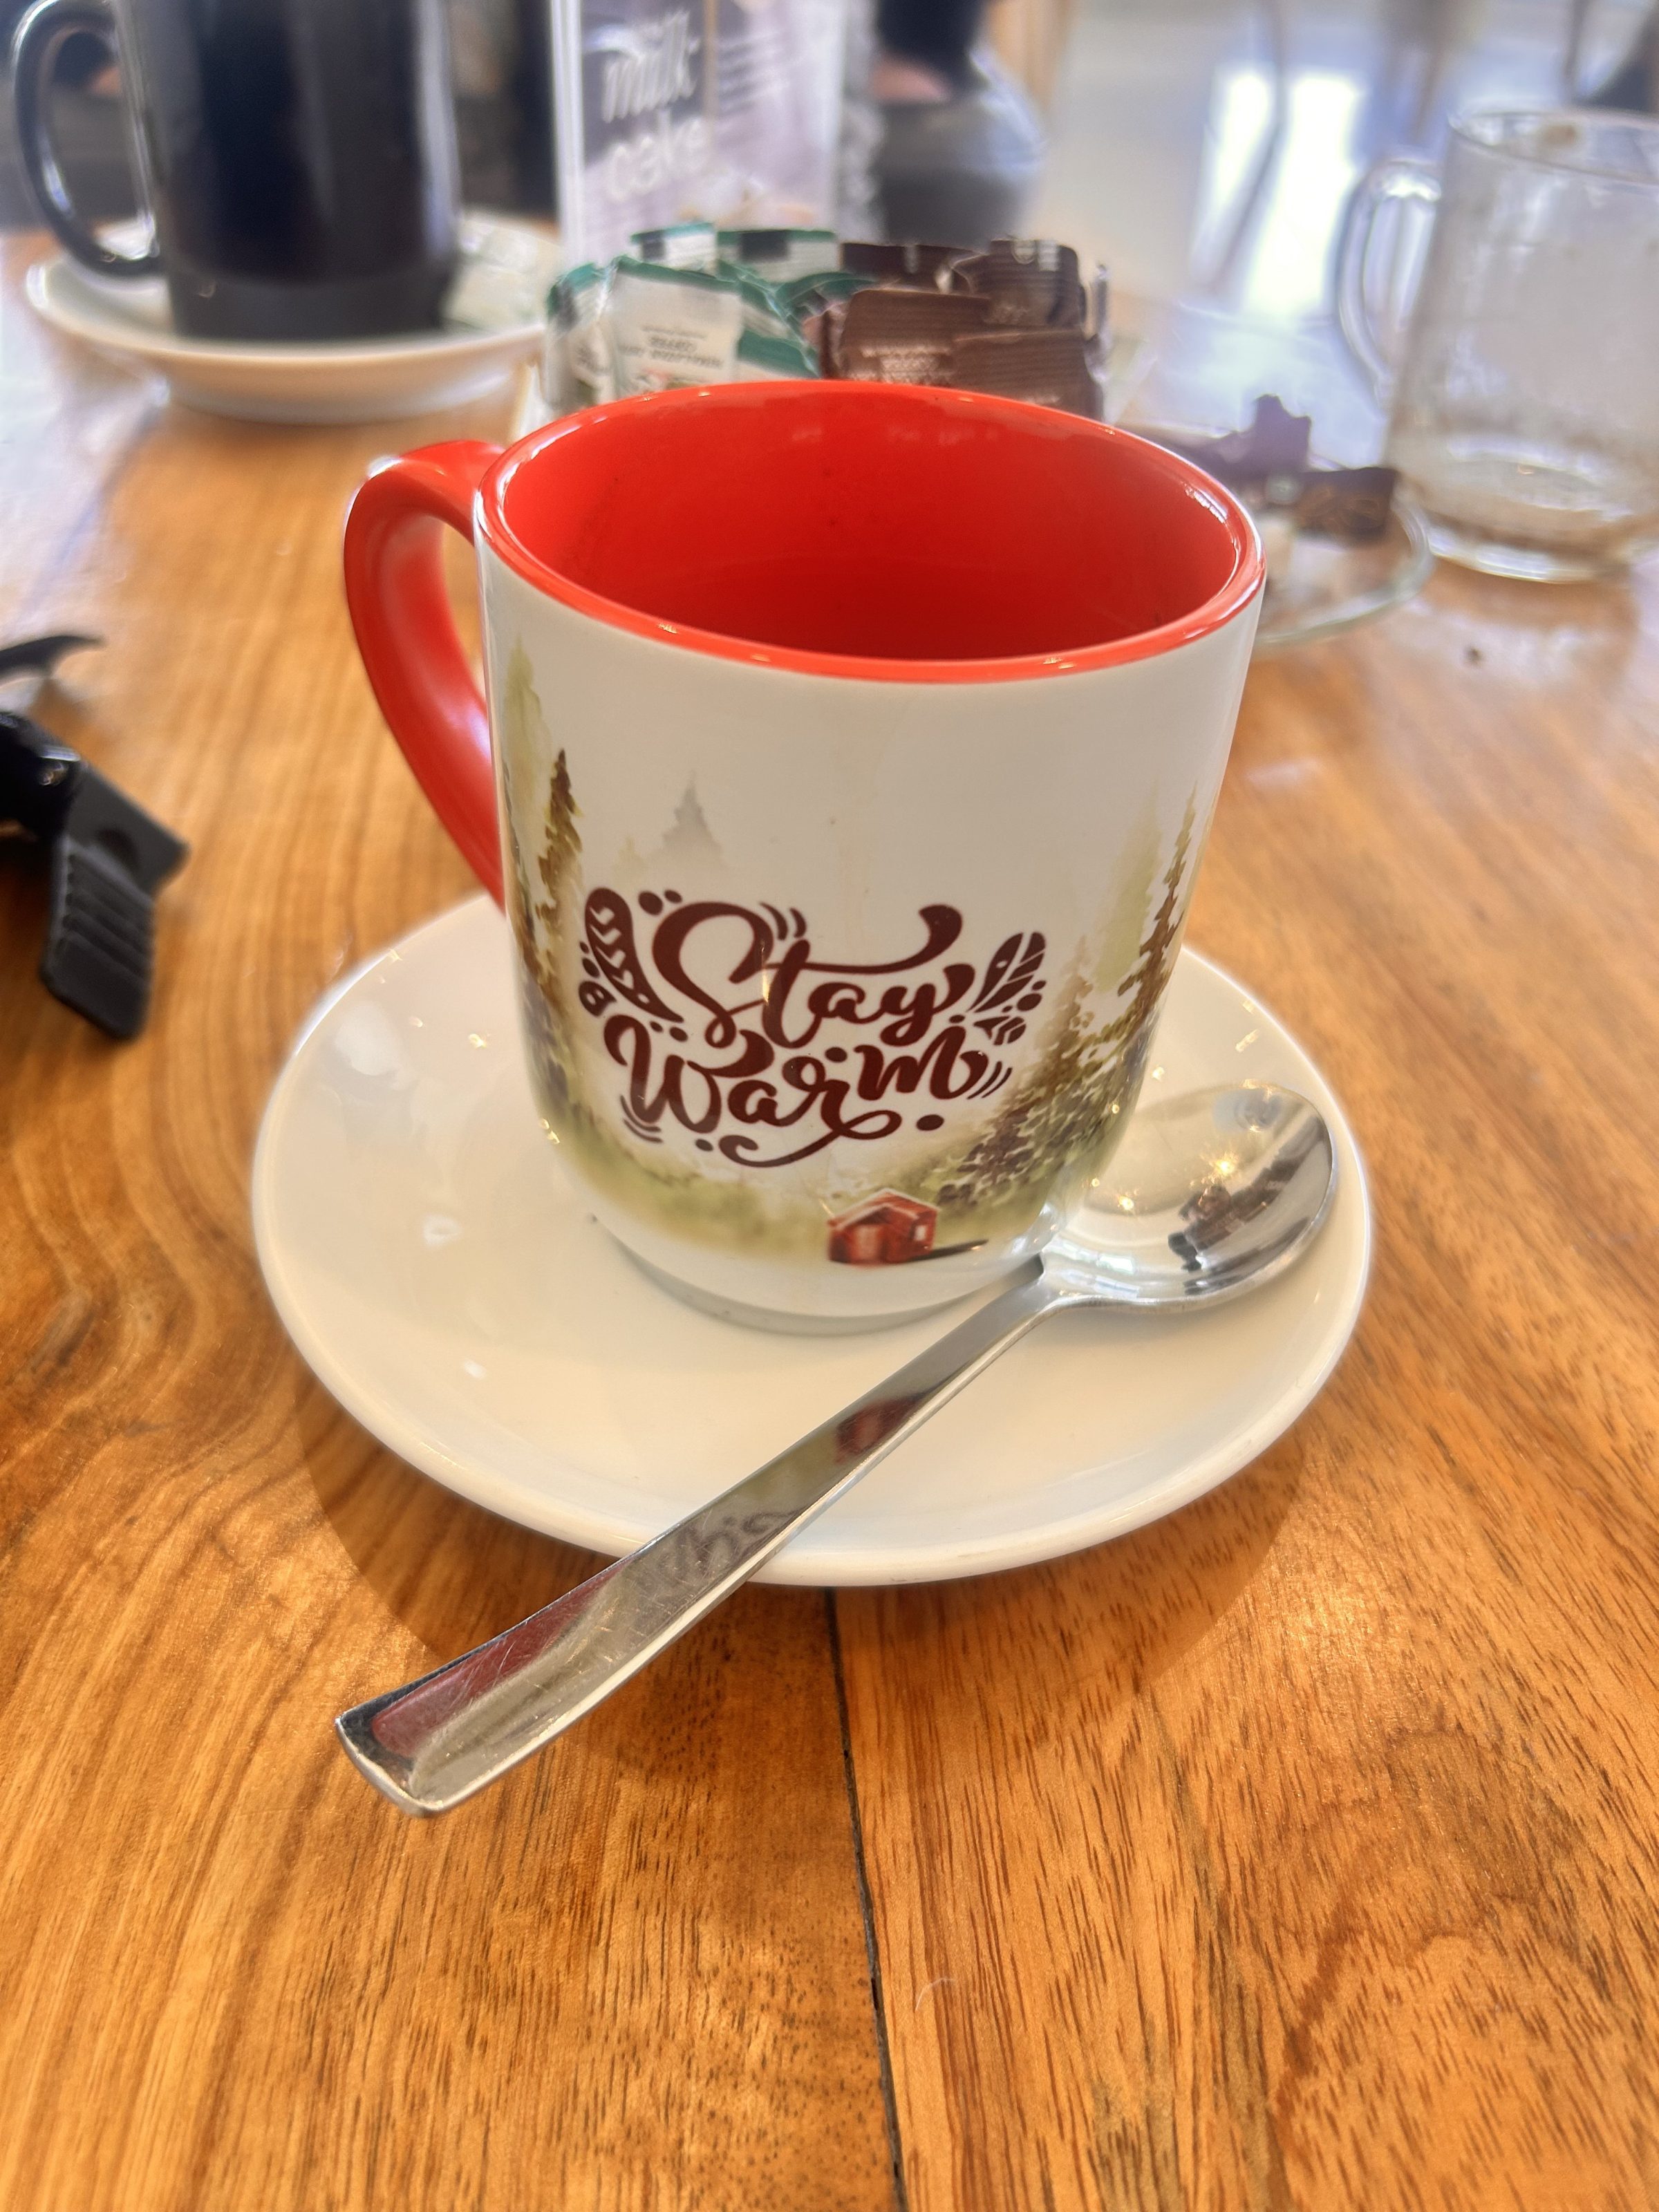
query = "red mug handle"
x=400 y=610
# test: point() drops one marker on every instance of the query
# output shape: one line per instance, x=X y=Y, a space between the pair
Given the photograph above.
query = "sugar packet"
x=763 y=311
x=1049 y=367
x=1031 y=283
x=761 y=358
x=679 y=245
x=898 y=261
x=777 y=257
x=803 y=296
x=576 y=367
x=891 y=335
x=670 y=327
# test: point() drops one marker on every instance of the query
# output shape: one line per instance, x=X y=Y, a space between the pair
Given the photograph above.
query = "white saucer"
x=437 y=1272
x=494 y=313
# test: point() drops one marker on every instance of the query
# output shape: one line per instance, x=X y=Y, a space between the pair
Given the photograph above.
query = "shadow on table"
x=455 y=1574
x=451 y=1572
x=1119 y=1614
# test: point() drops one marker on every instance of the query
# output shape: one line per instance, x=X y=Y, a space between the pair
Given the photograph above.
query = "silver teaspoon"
x=1206 y=1196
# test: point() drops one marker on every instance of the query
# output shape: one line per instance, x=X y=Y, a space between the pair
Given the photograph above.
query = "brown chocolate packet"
x=1032 y=284
x=1268 y=460
x=898 y=261
x=1352 y=503
x=1273 y=443
x=889 y=335
x=1049 y=367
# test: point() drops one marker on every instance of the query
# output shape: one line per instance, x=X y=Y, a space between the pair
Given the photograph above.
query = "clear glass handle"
x=1401 y=177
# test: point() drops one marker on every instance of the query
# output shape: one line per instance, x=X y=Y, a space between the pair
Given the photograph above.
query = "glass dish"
x=1318 y=587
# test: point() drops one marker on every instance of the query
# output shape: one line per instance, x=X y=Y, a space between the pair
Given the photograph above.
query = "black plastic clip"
x=108 y=859
x=40 y=656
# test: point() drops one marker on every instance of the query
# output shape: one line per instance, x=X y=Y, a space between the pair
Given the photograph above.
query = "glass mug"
x=853 y=748
x=1523 y=381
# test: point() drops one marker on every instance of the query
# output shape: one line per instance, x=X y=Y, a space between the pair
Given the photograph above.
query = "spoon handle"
x=438 y=1739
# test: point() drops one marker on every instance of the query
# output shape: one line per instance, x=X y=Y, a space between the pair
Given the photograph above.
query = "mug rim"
x=1467 y=129
x=1242 y=587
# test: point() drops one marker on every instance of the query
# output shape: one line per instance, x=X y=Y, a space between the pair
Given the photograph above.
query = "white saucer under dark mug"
x=451 y=1290
x=494 y=323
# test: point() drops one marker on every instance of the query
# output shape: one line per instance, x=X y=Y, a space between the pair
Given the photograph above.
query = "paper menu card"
x=726 y=109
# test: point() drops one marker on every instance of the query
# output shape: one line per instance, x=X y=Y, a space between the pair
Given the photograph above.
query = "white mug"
x=854 y=747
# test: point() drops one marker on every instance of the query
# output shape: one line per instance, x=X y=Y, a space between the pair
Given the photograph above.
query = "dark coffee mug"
x=298 y=157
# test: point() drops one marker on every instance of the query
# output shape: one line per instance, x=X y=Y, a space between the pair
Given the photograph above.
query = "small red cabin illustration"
x=884 y=1231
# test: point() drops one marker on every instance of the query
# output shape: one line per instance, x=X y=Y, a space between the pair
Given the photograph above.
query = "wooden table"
x=1299 y=1850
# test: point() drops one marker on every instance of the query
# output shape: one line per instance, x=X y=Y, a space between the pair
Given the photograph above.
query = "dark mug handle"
x=34 y=50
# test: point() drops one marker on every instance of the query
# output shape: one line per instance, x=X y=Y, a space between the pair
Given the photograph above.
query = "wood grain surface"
x=233 y=1976
x=1299 y=1851
x=1304 y=1849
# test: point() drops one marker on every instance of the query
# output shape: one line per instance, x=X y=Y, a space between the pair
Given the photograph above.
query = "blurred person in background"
x=961 y=147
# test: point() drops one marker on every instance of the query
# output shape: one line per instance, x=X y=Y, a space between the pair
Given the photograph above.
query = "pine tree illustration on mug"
x=1047 y=1131
x=525 y=743
x=1061 y=1113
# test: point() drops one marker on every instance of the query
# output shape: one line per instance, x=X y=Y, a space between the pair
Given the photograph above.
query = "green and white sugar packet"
x=777 y=257
x=577 y=369
x=670 y=327
x=678 y=245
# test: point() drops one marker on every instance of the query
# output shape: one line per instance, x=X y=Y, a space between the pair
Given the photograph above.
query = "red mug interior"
x=871 y=523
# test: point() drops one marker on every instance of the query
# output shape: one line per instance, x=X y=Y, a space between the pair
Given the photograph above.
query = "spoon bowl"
x=1208 y=1195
